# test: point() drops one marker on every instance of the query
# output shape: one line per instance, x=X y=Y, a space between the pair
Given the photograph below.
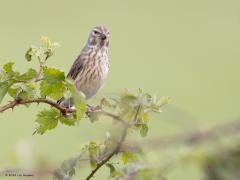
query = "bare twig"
x=197 y=137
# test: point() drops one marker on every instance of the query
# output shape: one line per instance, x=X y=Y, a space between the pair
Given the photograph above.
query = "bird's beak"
x=103 y=36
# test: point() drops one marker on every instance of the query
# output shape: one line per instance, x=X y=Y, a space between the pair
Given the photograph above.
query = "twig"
x=116 y=118
x=115 y=151
x=119 y=144
x=65 y=110
x=17 y=102
x=62 y=109
x=41 y=64
x=197 y=137
x=136 y=115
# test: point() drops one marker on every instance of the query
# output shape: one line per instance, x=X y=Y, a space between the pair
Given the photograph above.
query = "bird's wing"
x=77 y=66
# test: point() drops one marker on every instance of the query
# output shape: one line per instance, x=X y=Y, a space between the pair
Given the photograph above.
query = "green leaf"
x=30 y=74
x=144 y=130
x=67 y=121
x=28 y=91
x=9 y=73
x=29 y=54
x=24 y=95
x=46 y=41
x=13 y=92
x=8 y=67
x=128 y=156
x=80 y=104
x=53 y=75
x=55 y=91
x=3 y=89
x=129 y=96
x=53 y=84
x=47 y=119
x=112 y=169
x=144 y=117
x=93 y=150
x=50 y=47
x=93 y=163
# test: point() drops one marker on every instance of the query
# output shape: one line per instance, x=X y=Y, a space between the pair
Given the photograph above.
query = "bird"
x=90 y=69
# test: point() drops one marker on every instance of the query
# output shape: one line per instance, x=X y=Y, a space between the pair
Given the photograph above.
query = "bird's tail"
x=60 y=100
x=68 y=103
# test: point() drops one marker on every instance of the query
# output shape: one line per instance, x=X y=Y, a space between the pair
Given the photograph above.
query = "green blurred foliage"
x=188 y=50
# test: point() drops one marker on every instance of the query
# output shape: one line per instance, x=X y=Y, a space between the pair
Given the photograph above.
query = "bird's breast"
x=94 y=75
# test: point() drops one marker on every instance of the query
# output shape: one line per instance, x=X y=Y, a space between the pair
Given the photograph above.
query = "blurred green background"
x=185 y=49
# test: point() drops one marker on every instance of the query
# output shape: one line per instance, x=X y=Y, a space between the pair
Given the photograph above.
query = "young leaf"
x=144 y=130
x=30 y=74
x=50 y=47
x=9 y=73
x=144 y=117
x=55 y=91
x=128 y=156
x=13 y=92
x=29 y=54
x=47 y=119
x=112 y=169
x=129 y=97
x=80 y=105
x=47 y=42
x=3 y=89
x=8 y=67
x=93 y=150
x=53 y=75
x=53 y=84
x=67 y=121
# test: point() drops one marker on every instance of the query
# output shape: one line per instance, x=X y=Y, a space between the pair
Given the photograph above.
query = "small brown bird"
x=90 y=69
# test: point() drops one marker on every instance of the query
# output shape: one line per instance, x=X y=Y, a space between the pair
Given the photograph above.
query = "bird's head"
x=99 y=37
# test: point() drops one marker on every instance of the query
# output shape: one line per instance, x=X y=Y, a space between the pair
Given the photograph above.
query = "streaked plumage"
x=90 y=69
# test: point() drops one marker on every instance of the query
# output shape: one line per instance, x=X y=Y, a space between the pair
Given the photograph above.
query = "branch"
x=200 y=136
x=41 y=64
x=117 y=149
x=62 y=109
x=105 y=113
x=17 y=102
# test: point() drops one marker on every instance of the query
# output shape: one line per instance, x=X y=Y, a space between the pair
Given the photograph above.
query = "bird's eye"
x=95 y=32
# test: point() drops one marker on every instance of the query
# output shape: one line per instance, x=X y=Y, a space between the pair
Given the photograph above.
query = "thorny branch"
x=62 y=109
x=65 y=110
x=18 y=102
